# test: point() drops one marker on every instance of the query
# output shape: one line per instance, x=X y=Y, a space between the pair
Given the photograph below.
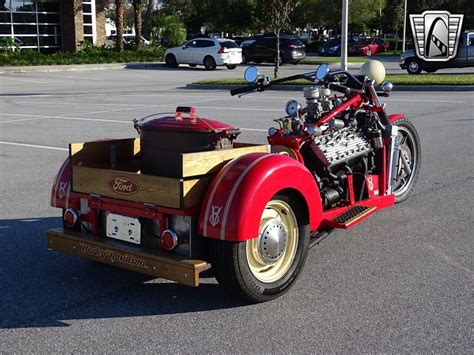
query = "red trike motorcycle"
x=185 y=195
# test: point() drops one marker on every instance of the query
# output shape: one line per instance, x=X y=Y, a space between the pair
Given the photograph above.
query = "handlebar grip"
x=243 y=89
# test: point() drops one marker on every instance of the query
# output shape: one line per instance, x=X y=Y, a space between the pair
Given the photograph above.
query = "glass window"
x=47 y=6
x=87 y=8
x=50 y=29
x=50 y=41
x=22 y=5
x=87 y=18
x=229 y=44
x=24 y=29
x=471 y=40
x=49 y=18
x=5 y=29
x=5 y=17
x=28 y=41
x=204 y=44
x=88 y=30
x=24 y=18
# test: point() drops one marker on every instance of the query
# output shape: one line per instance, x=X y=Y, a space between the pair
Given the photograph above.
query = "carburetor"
x=317 y=102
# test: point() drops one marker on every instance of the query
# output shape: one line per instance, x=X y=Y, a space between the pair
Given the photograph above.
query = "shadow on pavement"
x=41 y=288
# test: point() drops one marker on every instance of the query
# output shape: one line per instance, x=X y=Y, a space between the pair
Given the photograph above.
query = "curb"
x=300 y=87
x=77 y=67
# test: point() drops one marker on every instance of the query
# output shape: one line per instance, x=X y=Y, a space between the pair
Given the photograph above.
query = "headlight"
x=333 y=48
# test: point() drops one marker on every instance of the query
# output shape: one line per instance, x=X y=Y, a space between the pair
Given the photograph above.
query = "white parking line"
x=419 y=100
x=35 y=146
x=24 y=80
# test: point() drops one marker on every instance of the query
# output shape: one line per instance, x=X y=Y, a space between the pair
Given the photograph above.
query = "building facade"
x=51 y=25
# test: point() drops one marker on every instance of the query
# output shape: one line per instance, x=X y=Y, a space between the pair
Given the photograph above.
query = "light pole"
x=345 y=13
x=404 y=26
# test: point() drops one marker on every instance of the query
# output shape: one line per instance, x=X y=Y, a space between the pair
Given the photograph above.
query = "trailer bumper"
x=151 y=262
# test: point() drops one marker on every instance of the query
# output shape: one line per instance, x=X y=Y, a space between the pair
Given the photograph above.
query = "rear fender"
x=60 y=192
x=235 y=201
x=395 y=116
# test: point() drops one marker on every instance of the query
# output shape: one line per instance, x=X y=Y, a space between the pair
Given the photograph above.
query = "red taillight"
x=222 y=50
x=70 y=217
x=291 y=46
x=169 y=239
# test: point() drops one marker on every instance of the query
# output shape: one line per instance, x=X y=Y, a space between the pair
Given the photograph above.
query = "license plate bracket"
x=123 y=228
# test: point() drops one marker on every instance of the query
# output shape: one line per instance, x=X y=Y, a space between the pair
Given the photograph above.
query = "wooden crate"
x=91 y=172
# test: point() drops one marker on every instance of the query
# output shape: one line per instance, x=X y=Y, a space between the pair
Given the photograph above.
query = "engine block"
x=340 y=146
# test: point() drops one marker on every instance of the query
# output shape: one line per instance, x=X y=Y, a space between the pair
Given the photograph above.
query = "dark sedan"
x=332 y=47
x=292 y=50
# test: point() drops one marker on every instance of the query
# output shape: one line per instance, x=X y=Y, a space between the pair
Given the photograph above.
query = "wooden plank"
x=152 y=189
x=194 y=190
x=100 y=150
x=151 y=262
x=203 y=163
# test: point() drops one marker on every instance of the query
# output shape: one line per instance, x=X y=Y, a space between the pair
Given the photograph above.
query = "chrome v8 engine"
x=340 y=146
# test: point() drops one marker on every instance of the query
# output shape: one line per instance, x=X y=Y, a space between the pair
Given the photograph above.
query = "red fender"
x=395 y=116
x=235 y=201
x=60 y=192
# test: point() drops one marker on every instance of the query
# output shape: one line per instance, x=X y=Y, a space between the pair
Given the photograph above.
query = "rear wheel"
x=193 y=65
x=170 y=61
x=231 y=66
x=209 y=63
x=408 y=165
x=265 y=267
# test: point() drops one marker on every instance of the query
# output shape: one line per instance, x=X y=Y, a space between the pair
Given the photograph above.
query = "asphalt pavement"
x=400 y=281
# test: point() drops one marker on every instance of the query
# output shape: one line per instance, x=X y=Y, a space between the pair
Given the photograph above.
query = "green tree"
x=168 y=29
x=278 y=12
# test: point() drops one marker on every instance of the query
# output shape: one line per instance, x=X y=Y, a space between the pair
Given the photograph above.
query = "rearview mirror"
x=251 y=74
x=322 y=71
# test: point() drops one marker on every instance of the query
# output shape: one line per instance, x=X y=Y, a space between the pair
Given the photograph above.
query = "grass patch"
x=431 y=79
x=319 y=60
x=92 y=55
x=396 y=79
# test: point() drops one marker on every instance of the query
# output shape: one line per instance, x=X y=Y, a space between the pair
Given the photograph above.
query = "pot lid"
x=185 y=120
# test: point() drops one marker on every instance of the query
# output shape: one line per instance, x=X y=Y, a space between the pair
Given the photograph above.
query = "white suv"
x=205 y=51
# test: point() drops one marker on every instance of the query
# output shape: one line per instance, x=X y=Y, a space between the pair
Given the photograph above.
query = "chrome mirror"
x=322 y=71
x=251 y=74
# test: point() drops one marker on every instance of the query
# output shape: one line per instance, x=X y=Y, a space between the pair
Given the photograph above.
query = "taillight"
x=169 y=239
x=291 y=46
x=222 y=50
x=70 y=217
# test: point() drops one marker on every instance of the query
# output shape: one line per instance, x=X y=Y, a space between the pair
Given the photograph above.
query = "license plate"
x=123 y=228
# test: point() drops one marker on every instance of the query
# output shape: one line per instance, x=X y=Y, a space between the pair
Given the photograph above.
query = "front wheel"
x=408 y=165
x=413 y=66
x=265 y=267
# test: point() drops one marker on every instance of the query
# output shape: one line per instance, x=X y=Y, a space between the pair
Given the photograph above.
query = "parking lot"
x=401 y=281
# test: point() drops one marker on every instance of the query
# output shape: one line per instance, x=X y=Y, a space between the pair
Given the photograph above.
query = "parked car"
x=332 y=47
x=209 y=52
x=292 y=50
x=464 y=58
x=368 y=46
x=240 y=39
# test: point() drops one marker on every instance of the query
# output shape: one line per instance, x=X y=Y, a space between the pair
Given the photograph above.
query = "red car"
x=368 y=46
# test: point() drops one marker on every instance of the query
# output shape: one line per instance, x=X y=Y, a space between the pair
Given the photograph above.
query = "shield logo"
x=436 y=35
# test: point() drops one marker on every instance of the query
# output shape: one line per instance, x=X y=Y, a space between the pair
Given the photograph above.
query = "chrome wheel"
x=271 y=254
x=408 y=160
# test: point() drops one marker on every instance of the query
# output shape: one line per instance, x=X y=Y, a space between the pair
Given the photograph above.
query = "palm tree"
x=137 y=15
x=119 y=11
